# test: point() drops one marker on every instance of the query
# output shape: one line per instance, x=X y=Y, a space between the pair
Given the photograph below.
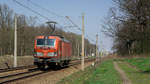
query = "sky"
x=94 y=12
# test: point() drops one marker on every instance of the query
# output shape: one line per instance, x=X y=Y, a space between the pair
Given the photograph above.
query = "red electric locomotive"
x=51 y=51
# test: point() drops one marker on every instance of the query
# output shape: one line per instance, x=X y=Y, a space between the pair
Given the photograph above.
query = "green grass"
x=103 y=74
x=141 y=63
x=134 y=75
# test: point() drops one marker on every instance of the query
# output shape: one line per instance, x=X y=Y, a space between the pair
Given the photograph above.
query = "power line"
x=55 y=14
x=63 y=27
x=76 y=26
x=60 y=16
x=45 y=9
x=31 y=10
x=73 y=23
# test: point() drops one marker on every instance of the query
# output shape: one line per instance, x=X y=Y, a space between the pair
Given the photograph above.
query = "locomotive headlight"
x=52 y=54
x=39 y=54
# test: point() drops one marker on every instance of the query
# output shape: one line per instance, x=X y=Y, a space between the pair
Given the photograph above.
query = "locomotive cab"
x=45 y=48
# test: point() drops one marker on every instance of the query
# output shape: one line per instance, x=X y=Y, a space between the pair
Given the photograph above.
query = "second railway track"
x=17 y=68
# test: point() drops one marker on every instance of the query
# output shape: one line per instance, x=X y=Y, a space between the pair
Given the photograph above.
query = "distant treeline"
x=128 y=23
x=27 y=31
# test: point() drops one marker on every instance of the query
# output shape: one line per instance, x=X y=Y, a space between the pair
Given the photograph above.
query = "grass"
x=134 y=75
x=103 y=74
x=141 y=63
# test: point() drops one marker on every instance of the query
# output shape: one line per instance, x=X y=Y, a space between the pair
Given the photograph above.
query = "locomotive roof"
x=58 y=36
x=61 y=37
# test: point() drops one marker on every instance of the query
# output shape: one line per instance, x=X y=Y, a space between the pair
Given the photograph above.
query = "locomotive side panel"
x=69 y=51
x=63 y=51
x=66 y=51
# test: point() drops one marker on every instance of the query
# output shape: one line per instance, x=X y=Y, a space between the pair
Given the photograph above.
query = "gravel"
x=52 y=77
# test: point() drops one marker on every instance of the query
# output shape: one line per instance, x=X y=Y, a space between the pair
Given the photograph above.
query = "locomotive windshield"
x=46 y=42
x=40 y=41
x=50 y=42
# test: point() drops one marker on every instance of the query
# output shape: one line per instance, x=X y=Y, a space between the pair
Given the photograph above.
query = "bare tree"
x=128 y=23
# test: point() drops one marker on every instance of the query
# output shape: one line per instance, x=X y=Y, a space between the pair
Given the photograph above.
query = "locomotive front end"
x=45 y=48
x=45 y=51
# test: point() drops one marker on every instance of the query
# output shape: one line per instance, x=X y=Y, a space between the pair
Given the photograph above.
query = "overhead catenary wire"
x=66 y=17
x=37 y=5
x=31 y=10
x=53 y=13
x=47 y=10
x=66 y=27
x=78 y=28
x=73 y=23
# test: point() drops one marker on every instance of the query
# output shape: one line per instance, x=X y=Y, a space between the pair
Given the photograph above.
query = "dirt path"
x=125 y=79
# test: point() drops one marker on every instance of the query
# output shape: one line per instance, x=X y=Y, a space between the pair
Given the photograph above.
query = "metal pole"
x=96 y=47
x=15 y=43
x=82 y=62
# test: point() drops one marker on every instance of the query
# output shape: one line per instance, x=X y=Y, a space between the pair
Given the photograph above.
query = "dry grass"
x=6 y=61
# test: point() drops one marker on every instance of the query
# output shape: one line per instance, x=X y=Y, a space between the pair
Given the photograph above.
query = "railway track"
x=16 y=68
x=29 y=73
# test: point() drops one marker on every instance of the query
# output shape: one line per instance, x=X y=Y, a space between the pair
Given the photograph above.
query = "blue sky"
x=94 y=10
